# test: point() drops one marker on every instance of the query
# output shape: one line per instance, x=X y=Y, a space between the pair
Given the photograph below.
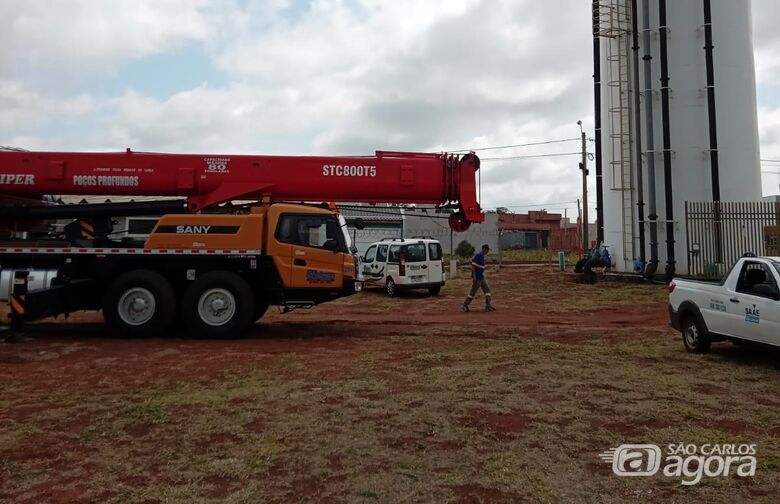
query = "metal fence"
x=719 y=233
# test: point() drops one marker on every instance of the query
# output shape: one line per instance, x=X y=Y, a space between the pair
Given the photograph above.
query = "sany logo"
x=192 y=229
x=683 y=461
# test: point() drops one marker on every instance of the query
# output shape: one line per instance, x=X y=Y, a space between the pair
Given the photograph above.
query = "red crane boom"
x=210 y=179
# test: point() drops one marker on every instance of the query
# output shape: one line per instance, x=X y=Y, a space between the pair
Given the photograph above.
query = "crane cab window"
x=309 y=230
x=756 y=279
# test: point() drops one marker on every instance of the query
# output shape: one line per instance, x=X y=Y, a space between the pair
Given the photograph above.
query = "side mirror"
x=331 y=244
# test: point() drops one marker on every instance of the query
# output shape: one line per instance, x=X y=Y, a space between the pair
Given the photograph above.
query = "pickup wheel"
x=434 y=290
x=219 y=304
x=694 y=336
x=139 y=303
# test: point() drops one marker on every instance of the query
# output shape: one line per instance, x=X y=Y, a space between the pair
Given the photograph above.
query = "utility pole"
x=584 y=168
x=579 y=216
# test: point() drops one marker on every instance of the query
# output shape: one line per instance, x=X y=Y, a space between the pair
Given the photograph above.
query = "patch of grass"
x=150 y=412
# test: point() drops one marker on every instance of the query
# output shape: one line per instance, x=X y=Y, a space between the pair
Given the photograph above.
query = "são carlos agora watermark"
x=689 y=462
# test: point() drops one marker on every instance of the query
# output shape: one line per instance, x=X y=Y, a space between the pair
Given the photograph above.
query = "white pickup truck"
x=744 y=306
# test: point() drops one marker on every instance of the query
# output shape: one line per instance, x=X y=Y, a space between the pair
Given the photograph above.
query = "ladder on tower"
x=615 y=26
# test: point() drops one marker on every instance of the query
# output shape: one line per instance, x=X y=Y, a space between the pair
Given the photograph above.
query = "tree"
x=464 y=250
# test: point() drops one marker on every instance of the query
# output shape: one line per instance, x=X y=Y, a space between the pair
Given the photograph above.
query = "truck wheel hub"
x=216 y=306
x=136 y=306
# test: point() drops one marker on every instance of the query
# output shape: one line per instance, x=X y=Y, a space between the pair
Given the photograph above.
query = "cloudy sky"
x=326 y=77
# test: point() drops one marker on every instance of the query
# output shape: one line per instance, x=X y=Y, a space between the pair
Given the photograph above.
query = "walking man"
x=479 y=280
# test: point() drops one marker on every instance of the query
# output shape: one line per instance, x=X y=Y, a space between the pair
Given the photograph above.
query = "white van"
x=398 y=264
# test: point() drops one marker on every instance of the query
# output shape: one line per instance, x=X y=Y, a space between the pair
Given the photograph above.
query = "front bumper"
x=352 y=285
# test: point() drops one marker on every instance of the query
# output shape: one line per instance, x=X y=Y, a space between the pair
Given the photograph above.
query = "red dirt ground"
x=81 y=353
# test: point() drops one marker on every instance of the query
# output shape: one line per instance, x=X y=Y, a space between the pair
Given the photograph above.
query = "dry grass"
x=409 y=417
x=438 y=413
x=519 y=286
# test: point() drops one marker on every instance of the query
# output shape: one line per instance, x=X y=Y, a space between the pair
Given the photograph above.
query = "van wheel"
x=391 y=288
x=694 y=336
x=260 y=308
x=218 y=304
x=434 y=290
x=139 y=303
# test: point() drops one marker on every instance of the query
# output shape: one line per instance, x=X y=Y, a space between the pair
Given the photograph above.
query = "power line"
x=547 y=142
x=533 y=156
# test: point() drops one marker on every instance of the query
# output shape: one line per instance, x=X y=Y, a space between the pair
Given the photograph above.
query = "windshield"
x=345 y=232
x=777 y=266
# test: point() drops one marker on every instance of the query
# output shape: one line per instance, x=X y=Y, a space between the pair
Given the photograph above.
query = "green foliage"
x=464 y=250
x=149 y=412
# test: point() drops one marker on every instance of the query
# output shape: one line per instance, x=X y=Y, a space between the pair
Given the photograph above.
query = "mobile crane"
x=211 y=263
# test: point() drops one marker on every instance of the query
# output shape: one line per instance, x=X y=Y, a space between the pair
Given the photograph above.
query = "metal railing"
x=719 y=233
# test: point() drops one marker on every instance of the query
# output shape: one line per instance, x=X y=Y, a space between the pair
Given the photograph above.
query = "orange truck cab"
x=213 y=274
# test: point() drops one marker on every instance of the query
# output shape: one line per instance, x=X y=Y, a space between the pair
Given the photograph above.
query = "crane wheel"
x=139 y=303
x=219 y=304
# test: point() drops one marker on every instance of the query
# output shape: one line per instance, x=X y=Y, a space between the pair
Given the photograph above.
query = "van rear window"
x=434 y=251
x=415 y=253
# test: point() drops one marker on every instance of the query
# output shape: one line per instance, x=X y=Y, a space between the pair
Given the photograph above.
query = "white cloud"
x=68 y=43
x=331 y=77
x=766 y=40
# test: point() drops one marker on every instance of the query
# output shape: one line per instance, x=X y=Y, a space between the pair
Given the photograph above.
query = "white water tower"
x=675 y=91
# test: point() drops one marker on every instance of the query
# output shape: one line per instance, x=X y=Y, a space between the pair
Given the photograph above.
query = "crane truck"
x=212 y=264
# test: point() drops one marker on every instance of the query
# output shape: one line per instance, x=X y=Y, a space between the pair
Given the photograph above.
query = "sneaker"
x=489 y=308
x=464 y=308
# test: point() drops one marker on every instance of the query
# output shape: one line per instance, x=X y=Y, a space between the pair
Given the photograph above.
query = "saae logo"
x=689 y=462
x=753 y=315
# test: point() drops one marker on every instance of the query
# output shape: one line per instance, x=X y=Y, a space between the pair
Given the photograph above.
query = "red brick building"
x=538 y=229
